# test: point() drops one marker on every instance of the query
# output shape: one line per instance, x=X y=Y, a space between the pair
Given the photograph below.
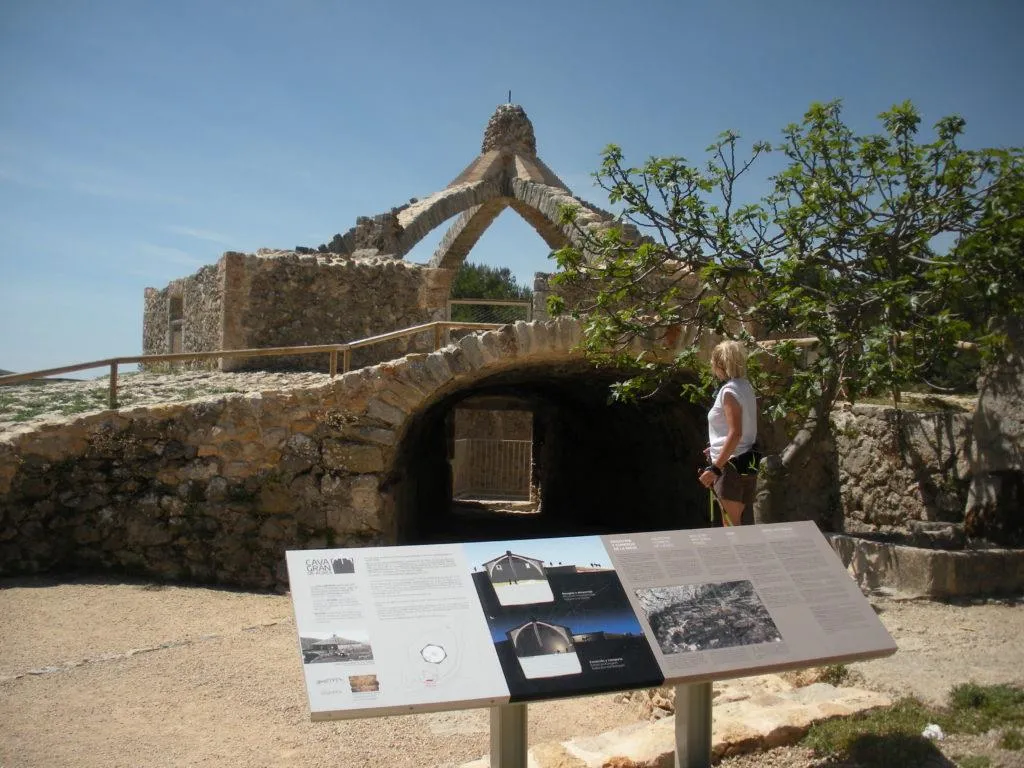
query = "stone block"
x=366 y=498
x=274 y=499
x=474 y=355
x=554 y=755
x=386 y=412
x=356 y=458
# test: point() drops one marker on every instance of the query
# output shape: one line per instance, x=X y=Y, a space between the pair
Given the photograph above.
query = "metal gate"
x=492 y=469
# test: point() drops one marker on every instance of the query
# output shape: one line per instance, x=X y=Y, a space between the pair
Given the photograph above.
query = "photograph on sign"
x=363 y=683
x=702 y=617
x=578 y=635
x=342 y=646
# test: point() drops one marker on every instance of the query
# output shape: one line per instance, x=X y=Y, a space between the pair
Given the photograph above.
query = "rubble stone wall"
x=309 y=299
x=283 y=298
x=155 y=316
x=896 y=467
x=202 y=301
x=218 y=488
x=493 y=425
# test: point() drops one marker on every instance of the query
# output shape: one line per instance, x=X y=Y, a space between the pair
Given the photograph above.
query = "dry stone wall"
x=900 y=467
x=202 y=302
x=202 y=305
x=155 y=321
x=217 y=489
x=292 y=299
x=285 y=298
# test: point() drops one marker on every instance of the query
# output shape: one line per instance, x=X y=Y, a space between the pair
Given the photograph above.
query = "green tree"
x=479 y=281
x=848 y=245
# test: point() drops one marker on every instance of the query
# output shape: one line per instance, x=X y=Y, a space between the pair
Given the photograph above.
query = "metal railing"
x=490 y=310
x=439 y=328
x=492 y=469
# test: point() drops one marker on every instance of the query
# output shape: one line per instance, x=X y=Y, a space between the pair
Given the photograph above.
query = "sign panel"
x=731 y=602
x=391 y=630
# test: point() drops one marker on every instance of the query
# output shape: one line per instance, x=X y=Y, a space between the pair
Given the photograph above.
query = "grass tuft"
x=1012 y=740
x=978 y=709
x=892 y=735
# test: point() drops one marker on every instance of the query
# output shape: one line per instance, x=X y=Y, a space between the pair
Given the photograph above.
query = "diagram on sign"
x=544 y=649
x=518 y=580
x=433 y=657
x=703 y=617
x=559 y=617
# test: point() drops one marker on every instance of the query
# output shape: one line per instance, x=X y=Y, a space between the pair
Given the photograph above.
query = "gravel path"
x=100 y=675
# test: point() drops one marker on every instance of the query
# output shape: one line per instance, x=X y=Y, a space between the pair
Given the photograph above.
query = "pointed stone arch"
x=507 y=174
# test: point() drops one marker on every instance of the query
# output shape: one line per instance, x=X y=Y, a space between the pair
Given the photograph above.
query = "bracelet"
x=713 y=469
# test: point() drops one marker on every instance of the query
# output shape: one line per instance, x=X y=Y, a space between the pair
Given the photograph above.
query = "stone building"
x=360 y=284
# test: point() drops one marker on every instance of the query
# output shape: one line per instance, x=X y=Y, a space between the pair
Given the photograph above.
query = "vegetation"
x=892 y=735
x=479 y=281
x=887 y=249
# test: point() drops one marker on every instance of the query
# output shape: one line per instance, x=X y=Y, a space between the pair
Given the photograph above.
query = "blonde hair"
x=731 y=358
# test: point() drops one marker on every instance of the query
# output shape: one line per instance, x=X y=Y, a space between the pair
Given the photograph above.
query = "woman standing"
x=732 y=430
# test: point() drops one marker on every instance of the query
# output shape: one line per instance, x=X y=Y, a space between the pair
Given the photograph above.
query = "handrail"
x=438 y=326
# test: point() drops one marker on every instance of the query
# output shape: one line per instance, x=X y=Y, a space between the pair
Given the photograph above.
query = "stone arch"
x=538 y=204
x=507 y=172
x=587 y=483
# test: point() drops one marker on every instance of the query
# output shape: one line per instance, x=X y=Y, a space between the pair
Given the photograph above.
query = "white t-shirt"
x=718 y=426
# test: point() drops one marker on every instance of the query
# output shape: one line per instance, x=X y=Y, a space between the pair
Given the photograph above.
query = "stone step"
x=748 y=715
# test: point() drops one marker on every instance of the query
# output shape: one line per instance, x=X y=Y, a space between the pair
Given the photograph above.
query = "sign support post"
x=508 y=736
x=693 y=725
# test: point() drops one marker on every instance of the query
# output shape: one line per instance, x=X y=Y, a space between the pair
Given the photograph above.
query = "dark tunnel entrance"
x=596 y=467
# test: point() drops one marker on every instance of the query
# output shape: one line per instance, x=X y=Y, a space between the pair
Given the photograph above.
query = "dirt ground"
x=101 y=674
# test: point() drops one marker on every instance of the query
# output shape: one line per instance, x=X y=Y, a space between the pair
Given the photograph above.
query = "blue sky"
x=140 y=139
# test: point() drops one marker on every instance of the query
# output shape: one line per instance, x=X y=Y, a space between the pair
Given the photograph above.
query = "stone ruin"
x=360 y=284
x=216 y=489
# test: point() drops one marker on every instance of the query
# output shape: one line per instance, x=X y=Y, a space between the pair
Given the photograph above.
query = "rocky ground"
x=100 y=674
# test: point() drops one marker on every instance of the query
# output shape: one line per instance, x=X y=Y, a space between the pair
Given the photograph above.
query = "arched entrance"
x=597 y=467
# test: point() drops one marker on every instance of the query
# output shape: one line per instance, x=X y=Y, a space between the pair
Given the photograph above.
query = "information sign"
x=389 y=630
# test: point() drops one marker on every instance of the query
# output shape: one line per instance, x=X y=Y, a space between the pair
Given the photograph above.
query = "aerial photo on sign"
x=700 y=617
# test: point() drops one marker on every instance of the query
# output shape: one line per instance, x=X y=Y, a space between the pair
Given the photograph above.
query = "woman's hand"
x=707 y=478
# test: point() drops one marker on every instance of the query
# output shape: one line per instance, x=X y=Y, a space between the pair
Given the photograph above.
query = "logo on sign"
x=318 y=566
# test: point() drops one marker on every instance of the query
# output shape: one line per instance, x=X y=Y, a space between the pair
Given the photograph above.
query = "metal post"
x=508 y=736
x=693 y=725
x=113 y=385
x=346 y=360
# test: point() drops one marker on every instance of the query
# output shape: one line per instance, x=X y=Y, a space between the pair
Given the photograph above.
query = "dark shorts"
x=732 y=486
